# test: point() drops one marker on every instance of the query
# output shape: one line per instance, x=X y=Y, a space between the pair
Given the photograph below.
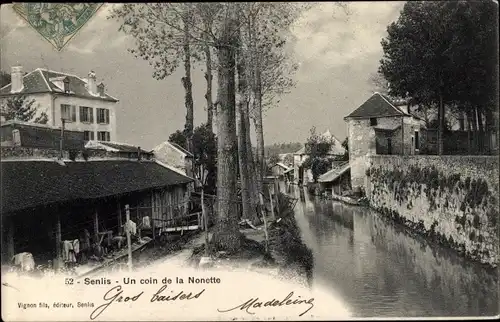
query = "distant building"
x=380 y=126
x=81 y=102
x=176 y=156
x=279 y=169
x=338 y=179
x=303 y=175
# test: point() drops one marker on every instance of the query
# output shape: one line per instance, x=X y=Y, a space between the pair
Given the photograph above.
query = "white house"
x=279 y=169
x=81 y=102
x=305 y=175
x=174 y=155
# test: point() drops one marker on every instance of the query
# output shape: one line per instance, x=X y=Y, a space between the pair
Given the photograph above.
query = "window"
x=102 y=116
x=373 y=121
x=66 y=85
x=389 y=146
x=103 y=136
x=68 y=113
x=16 y=137
x=417 y=140
x=88 y=135
x=86 y=114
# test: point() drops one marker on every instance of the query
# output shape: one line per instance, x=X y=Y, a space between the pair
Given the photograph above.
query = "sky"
x=336 y=51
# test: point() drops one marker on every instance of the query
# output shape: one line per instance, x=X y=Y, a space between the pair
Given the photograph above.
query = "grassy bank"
x=287 y=255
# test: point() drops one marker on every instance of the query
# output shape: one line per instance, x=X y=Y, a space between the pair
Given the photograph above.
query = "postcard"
x=249 y=161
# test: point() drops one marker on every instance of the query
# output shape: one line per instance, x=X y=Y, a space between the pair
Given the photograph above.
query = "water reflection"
x=381 y=271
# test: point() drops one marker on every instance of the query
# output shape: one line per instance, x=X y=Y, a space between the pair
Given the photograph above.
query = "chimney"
x=91 y=83
x=16 y=79
x=100 y=89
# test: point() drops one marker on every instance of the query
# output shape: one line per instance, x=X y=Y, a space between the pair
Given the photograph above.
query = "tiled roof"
x=377 y=106
x=33 y=136
x=39 y=81
x=27 y=184
x=334 y=173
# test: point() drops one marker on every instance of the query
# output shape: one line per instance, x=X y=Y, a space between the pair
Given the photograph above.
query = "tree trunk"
x=479 y=113
x=474 y=132
x=242 y=141
x=468 y=114
x=254 y=194
x=256 y=110
x=226 y=236
x=208 y=78
x=186 y=82
x=490 y=128
x=259 y=130
x=247 y=165
x=441 y=120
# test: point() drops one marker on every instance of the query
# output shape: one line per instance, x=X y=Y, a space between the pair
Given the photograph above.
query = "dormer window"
x=66 y=85
x=100 y=89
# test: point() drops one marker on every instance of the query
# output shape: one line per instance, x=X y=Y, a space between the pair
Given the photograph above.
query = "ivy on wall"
x=408 y=184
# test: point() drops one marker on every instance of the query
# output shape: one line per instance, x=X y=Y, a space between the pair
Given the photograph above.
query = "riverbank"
x=286 y=258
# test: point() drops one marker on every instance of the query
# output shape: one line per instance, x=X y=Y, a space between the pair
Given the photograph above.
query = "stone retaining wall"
x=451 y=199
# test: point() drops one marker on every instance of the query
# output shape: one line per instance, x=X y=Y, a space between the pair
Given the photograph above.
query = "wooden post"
x=96 y=228
x=276 y=194
x=120 y=222
x=264 y=219
x=139 y=222
x=153 y=227
x=153 y=212
x=129 y=243
x=402 y=136
x=205 y=220
x=272 y=206
x=58 y=242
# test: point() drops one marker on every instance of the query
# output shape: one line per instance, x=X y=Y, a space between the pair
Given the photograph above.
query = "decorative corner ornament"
x=58 y=23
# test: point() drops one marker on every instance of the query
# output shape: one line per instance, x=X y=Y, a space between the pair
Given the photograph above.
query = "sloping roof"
x=113 y=146
x=377 y=106
x=186 y=152
x=301 y=151
x=334 y=173
x=283 y=165
x=289 y=170
x=42 y=136
x=336 y=149
x=27 y=184
x=42 y=81
x=173 y=145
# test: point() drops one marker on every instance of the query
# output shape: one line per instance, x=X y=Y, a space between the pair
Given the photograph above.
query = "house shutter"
x=73 y=113
x=82 y=114
x=107 y=116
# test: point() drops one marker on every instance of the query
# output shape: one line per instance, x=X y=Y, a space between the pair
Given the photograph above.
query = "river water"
x=379 y=270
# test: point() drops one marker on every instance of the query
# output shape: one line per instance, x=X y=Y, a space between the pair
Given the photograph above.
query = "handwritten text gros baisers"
x=117 y=294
